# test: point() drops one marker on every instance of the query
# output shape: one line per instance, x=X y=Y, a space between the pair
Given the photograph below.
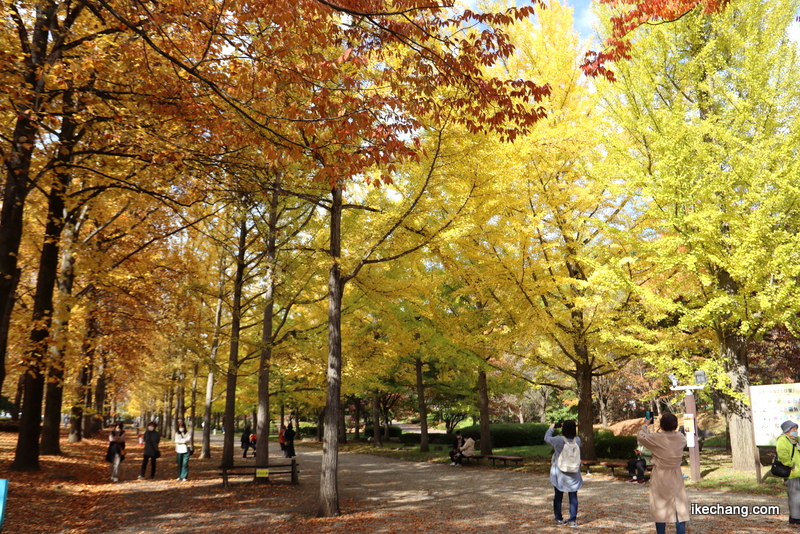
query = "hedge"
x=510 y=434
x=394 y=431
x=607 y=445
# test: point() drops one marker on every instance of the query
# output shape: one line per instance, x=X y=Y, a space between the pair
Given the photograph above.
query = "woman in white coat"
x=668 y=501
x=182 y=439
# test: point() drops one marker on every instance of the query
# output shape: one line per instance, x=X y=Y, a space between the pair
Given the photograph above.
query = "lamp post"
x=690 y=420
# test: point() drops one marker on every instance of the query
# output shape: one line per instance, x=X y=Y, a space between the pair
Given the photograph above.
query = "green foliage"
x=394 y=431
x=562 y=412
x=607 y=445
x=307 y=431
x=510 y=434
x=413 y=438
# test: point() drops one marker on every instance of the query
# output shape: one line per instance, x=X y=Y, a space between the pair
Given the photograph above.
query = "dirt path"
x=381 y=495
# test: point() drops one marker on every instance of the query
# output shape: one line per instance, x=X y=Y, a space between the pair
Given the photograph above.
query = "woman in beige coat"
x=668 y=501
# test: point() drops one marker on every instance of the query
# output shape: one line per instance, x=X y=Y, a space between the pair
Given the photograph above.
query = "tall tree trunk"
x=483 y=406
x=100 y=414
x=357 y=419
x=27 y=453
x=7 y=309
x=386 y=424
x=342 y=427
x=376 y=418
x=603 y=407
x=209 y=401
x=180 y=397
x=583 y=377
x=233 y=356
x=18 y=398
x=744 y=454
x=262 y=451
x=169 y=423
x=66 y=230
x=423 y=408
x=193 y=407
x=329 y=487
x=320 y=424
x=76 y=411
x=207 y=422
x=88 y=349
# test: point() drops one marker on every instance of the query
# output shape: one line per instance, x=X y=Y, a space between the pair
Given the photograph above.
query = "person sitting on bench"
x=636 y=466
x=455 y=452
x=467 y=449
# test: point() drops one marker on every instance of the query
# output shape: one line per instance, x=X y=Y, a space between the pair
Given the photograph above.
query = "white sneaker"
x=453 y=463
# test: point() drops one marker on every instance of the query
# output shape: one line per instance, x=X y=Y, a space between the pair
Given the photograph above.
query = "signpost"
x=689 y=420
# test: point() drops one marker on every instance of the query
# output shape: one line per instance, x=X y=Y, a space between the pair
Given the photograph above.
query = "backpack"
x=569 y=461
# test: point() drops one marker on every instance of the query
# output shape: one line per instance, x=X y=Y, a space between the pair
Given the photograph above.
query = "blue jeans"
x=680 y=527
x=183 y=465
x=573 y=505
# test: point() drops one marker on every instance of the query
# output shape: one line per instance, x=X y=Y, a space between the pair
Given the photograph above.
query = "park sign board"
x=771 y=406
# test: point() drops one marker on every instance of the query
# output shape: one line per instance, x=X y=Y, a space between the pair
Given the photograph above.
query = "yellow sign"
x=688 y=423
x=262 y=473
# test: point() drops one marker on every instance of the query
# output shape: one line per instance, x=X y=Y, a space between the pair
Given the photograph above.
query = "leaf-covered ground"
x=72 y=494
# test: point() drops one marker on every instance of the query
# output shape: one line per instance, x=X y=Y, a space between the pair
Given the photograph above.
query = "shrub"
x=414 y=438
x=510 y=434
x=394 y=431
x=307 y=431
x=607 y=445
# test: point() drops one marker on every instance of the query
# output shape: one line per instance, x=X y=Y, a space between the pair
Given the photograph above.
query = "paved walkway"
x=382 y=495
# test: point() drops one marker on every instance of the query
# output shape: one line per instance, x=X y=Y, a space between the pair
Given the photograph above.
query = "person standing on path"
x=564 y=482
x=668 y=500
x=245 y=440
x=116 y=450
x=181 y=439
x=282 y=438
x=785 y=449
x=151 y=440
x=289 y=435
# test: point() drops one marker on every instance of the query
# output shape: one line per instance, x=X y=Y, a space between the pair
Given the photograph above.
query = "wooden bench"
x=623 y=465
x=516 y=459
x=259 y=471
x=588 y=464
x=496 y=458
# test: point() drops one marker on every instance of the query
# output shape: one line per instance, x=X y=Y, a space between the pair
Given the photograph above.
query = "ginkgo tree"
x=540 y=256
x=708 y=110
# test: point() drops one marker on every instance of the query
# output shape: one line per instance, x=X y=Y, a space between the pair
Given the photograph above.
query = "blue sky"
x=582 y=15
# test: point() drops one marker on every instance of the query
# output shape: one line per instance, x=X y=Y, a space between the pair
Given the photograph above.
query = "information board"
x=262 y=473
x=772 y=405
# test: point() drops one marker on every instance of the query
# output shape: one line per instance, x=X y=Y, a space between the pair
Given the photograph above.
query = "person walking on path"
x=181 y=439
x=282 y=438
x=245 y=440
x=151 y=440
x=289 y=435
x=668 y=500
x=116 y=450
x=564 y=482
x=636 y=466
x=785 y=449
